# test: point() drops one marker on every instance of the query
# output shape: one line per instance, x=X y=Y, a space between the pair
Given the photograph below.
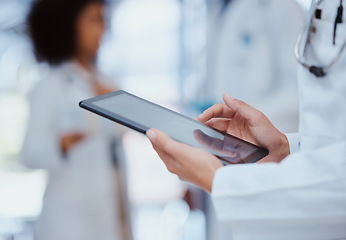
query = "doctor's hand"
x=190 y=164
x=243 y=121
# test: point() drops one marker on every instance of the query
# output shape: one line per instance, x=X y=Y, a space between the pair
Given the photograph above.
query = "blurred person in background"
x=84 y=192
x=249 y=55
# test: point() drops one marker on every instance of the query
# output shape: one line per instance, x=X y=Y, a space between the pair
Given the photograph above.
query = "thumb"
x=246 y=111
x=152 y=135
x=160 y=140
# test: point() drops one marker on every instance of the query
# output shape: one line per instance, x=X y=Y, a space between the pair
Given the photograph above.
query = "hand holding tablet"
x=142 y=115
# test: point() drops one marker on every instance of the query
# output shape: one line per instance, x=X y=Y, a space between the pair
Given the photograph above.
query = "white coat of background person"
x=84 y=191
x=249 y=55
x=81 y=198
x=303 y=196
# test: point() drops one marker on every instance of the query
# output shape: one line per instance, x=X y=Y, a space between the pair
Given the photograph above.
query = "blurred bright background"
x=154 y=49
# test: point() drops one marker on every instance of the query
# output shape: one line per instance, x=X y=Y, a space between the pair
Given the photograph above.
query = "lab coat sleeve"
x=294 y=142
x=305 y=186
x=41 y=147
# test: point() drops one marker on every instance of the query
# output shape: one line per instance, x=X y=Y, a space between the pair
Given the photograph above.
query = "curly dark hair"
x=51 y=26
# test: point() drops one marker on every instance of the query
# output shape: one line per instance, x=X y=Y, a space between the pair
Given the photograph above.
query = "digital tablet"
x=142 y=115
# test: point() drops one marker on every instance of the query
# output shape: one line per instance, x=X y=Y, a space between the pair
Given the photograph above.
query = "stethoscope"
x=318 y=71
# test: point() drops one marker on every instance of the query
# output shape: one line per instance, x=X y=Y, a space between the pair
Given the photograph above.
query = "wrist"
x=209 y=184
x=282 y=150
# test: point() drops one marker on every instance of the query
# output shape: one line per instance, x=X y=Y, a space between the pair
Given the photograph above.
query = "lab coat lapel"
x=323 y=100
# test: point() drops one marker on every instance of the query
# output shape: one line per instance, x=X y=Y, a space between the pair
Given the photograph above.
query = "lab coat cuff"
x=294 y=142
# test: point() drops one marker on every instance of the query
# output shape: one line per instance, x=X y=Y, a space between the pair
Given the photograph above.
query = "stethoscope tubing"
x=306 y=28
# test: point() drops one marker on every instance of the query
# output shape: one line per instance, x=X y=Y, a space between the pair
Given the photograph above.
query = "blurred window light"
x=21 y=194
x=148 y=33
x=15 y=111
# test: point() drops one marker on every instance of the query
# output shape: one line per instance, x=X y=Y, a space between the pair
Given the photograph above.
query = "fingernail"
x=151 y=135
x=229 y=96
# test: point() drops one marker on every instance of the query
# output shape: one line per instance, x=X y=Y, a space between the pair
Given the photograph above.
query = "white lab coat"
x=81 y=198
x=303 y=197
x=249 y=55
